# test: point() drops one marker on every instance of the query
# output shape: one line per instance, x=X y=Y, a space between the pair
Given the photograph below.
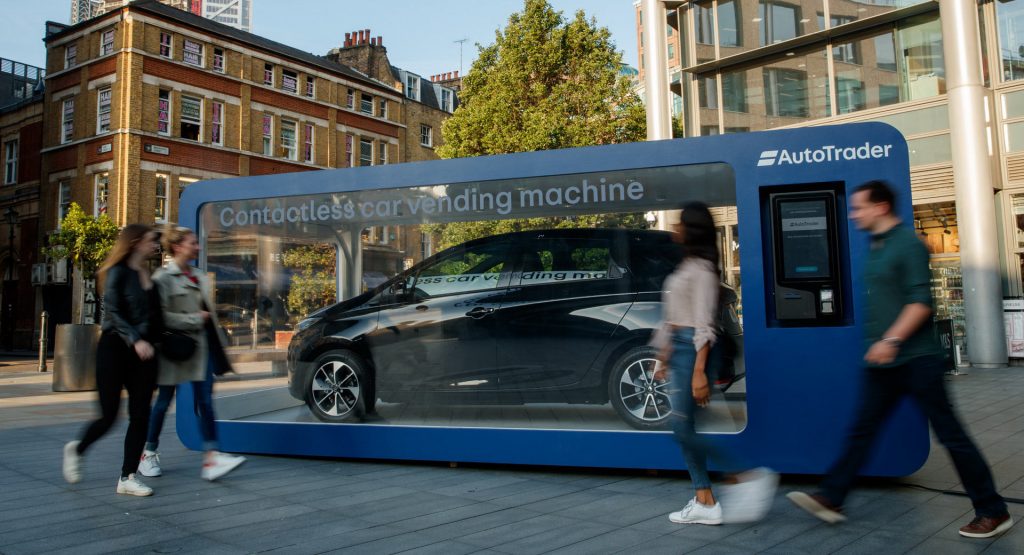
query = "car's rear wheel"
x=643 y=402
x=337 y=386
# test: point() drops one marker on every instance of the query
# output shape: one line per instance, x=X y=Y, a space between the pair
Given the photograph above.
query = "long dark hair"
x=699 y=235
x=122 y=249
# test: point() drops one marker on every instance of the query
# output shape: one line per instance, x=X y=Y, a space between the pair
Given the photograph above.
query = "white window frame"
x=383 y=108
x=70 y=55
x=160 y=208
x=289 y=81
x=289 y=147
x=426 y=132
x=67 y=120
x=217 y=123
x=351 y=99
x=196 y=54
x=446 y=100
x=310 y=86
x=63 y=200
x=349 y=150
x=106 y=42
x=218 y=60
x=365 y=141
x=183 y=119
x=163 y=115
x=169 y=45
x=363 y=102
x=268 y=74
x=10 y=161
x=101 y=195
x=309 y=132
x=382 y=153
x=412 y=87
x=268 y=135
x=103 y=108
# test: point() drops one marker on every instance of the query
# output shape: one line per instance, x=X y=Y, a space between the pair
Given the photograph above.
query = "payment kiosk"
x=424 y=295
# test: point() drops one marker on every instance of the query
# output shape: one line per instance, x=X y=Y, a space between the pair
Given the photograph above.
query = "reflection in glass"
x=790 y=89
x=704 y=30
x=729 y=23
x=1010 y=21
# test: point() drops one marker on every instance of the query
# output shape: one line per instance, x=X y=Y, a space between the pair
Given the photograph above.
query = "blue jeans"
x=202 y=392
x=685 y=412
x=922 y=378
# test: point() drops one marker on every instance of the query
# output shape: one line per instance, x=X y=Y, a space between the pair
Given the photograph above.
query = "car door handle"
x=479 y=312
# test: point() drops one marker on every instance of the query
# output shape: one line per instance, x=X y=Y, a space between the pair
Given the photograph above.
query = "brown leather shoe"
x=987 y=526
x=817 y=506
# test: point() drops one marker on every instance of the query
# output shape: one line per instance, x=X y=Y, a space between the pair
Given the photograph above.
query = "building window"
x=106 y=42
x=777 y=22
x=785 y=92
x=103 y=110
x=1010 y=21
x=703 y=23
x=348 y=151
x=307 y=144
x=99 y=196
x=850 y=95
x=289 y=81
x=426 y=135
x=218 y=60
x=163 y=113
x=193 y=53
x=288 y=145
x=707 y=92
x=268 y=135
x=671 y=51
x=383 y=112
x=446 y=100
x=426 y=246
x=734 y=91
x=382 y=153
x=70 y=55
x=217 y=123
x=365 y=152
x=10 y=162
x=350 y=100
x=165 y=45
x=161 y=198
x=67 y=120
x=191 y=118
x=366 y=104
x=729 y=24
x=412 y=87
x=63 y=201
x=310 y=86
x=268 y=74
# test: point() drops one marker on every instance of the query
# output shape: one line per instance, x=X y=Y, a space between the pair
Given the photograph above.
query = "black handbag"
x=177 y=346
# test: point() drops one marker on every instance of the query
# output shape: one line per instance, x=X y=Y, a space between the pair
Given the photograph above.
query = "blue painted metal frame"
x=802 y=383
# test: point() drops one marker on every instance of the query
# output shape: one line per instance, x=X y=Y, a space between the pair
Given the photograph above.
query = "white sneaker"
x=220 y=464
x=72 y=463
x=133 y=486
x=149 y=464
x=751 y=498
x=698 y=513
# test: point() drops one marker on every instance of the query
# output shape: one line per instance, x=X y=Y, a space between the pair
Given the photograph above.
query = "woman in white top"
x=684 y=341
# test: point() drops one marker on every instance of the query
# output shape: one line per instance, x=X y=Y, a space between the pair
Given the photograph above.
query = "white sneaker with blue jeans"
x=698 y=513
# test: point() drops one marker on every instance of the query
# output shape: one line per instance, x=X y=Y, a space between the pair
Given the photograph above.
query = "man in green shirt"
x=902 y=358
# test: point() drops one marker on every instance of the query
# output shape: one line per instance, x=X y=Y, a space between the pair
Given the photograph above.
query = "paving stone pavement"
x=304 y=505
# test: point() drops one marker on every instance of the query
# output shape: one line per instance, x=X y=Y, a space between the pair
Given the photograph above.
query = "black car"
x=553 y=316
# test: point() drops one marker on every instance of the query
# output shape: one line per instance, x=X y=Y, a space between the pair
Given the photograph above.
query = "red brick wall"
x=65 y=81
x=66 y=159
x=92 y=150
x=199 y=78
x=262 y=166
x=29 y=144
x=288 y=102
x=192 y=156
x=106 y=67
x=369 y=124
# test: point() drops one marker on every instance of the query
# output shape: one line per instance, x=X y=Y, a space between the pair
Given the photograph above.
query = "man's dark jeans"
x=923 y=379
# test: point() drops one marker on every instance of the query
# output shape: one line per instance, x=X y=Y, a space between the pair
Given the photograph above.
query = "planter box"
x=74 y=357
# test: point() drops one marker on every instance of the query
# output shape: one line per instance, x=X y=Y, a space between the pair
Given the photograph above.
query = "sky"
x=420 y=36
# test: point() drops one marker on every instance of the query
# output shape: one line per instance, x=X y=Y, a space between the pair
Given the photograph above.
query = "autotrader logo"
x=825 y=153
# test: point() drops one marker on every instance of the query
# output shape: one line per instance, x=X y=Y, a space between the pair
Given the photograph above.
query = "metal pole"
x=255 y=325
x=974 y=184
x=44 y=320
x=655 y=58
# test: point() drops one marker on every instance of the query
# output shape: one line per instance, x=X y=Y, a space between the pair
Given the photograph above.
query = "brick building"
x=147 y=99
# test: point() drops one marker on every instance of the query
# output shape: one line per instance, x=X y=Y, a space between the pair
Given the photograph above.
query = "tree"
x=545 y=83
x=315 y=284
x=86 y=240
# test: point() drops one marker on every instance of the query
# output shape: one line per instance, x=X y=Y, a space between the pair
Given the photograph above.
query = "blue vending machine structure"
x=801 y=275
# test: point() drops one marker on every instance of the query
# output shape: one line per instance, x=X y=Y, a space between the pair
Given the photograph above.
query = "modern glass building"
x=748 y=65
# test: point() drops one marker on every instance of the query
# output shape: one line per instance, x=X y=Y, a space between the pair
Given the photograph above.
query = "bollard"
x=255 y=325
x=44 y=321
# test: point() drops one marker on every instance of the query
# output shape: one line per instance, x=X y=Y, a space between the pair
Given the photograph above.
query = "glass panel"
x=934 y=118
x=1013 y=104
x=930 y=150
x=1010 y=16
x=288 y=144
x=704 y=30
x=789 y=90
x=748 y=24
x=1014 y=133
x=920 y=41
x=500 y=328
x=1018 y=218
x=193 y=53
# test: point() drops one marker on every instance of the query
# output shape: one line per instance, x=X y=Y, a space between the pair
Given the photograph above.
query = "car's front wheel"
x=643 y=402
x=336 y=388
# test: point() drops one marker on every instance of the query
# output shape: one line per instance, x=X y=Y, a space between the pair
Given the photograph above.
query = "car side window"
x=553 y=260
x=463 y=270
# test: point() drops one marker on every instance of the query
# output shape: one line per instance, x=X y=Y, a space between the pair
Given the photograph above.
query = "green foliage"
x=545 y=83
x=315 y=284
x=84 y=239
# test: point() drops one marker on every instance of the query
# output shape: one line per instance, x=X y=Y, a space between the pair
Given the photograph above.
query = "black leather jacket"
x=128 y=309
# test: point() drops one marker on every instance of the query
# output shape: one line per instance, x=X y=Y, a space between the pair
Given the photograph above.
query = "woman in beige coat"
x=185 y=299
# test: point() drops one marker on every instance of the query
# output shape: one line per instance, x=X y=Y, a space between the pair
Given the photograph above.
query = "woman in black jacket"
x=124 y=356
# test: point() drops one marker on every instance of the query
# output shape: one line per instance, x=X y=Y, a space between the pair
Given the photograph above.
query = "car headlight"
x=306 y=323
